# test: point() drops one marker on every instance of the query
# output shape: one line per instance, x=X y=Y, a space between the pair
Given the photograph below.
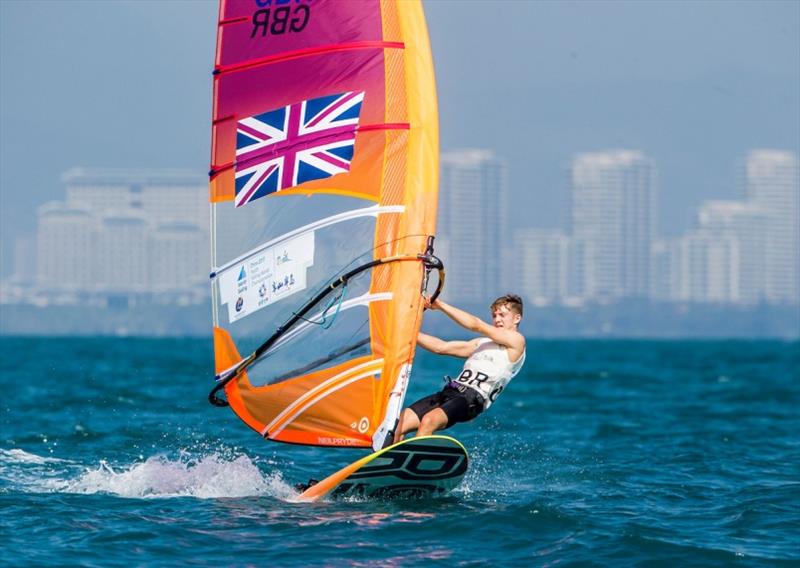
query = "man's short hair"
x=511 y=301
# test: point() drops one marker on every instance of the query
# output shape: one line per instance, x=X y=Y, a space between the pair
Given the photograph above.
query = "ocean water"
x=606 y=453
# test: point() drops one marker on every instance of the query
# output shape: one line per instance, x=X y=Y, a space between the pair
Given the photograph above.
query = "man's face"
x=505 y=318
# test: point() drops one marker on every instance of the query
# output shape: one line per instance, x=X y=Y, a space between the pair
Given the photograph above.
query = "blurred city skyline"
x=693 y=86
x=128 y=232
x=740 y=251
x=131 y=247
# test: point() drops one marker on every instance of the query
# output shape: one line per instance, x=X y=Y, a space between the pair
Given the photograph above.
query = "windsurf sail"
x=323 y=190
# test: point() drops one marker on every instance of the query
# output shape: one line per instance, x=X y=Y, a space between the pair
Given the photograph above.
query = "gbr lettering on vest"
x=488 y=370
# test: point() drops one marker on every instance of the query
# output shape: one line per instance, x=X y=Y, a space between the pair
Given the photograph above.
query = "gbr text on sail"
x=278 y=17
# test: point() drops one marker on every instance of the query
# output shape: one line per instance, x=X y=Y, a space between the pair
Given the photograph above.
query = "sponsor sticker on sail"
x=265 y=278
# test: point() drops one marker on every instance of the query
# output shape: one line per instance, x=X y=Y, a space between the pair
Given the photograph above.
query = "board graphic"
x=416 y=468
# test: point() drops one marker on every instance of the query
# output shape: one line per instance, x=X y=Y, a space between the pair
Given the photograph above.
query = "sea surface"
x=606 y=453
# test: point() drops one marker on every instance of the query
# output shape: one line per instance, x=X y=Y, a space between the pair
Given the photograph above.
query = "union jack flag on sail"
x=300 y=142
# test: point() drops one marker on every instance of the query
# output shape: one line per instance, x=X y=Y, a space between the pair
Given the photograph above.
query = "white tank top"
x=488 y=370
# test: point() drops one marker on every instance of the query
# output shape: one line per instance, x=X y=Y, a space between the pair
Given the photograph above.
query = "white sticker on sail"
x=267 y=277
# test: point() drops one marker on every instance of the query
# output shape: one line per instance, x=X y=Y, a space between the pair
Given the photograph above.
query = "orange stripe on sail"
x=323 y=395
x=322 y=389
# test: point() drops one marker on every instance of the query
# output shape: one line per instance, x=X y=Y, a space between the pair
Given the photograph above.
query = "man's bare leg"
x=434 y=420
x=408 y=421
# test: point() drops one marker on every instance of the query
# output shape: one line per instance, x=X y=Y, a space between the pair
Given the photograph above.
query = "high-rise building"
x=665 y=281
x=125 y=231
x=771 y=182
x=122 y=251
x=165 y=195
x=473 y=223
x=179 y=253
x=709 y=269
x=719 y=261
x=542 y=258
x=65 y=238
x=731 y=228
x=581 y=270
x=613 y=196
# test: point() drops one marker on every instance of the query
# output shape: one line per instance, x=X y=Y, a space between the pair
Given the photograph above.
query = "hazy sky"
x=693 y=84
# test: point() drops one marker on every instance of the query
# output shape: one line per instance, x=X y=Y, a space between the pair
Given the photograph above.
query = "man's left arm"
x=499 y=335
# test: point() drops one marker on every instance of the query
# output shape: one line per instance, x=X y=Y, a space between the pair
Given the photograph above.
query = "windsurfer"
x=492 y=360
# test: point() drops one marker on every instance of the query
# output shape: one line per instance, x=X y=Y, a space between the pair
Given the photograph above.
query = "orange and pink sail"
x=324 y=174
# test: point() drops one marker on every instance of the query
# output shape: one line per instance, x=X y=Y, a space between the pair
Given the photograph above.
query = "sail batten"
x=321 y=223
x=309 y=52
x=323 y=191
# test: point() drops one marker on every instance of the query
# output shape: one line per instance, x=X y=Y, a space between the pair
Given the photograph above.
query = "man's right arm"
x=433 y=344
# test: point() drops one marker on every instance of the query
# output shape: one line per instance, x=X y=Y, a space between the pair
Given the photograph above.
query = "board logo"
x=239 y=304
x=278 y=17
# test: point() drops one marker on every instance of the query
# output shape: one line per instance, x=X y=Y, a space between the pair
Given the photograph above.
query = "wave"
x=209 y=476
x=17 y=456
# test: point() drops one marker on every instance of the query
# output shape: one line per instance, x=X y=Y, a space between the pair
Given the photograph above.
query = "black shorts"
x=460 y=405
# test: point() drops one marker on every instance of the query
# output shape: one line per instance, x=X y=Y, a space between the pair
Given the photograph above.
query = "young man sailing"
x=492 y=360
